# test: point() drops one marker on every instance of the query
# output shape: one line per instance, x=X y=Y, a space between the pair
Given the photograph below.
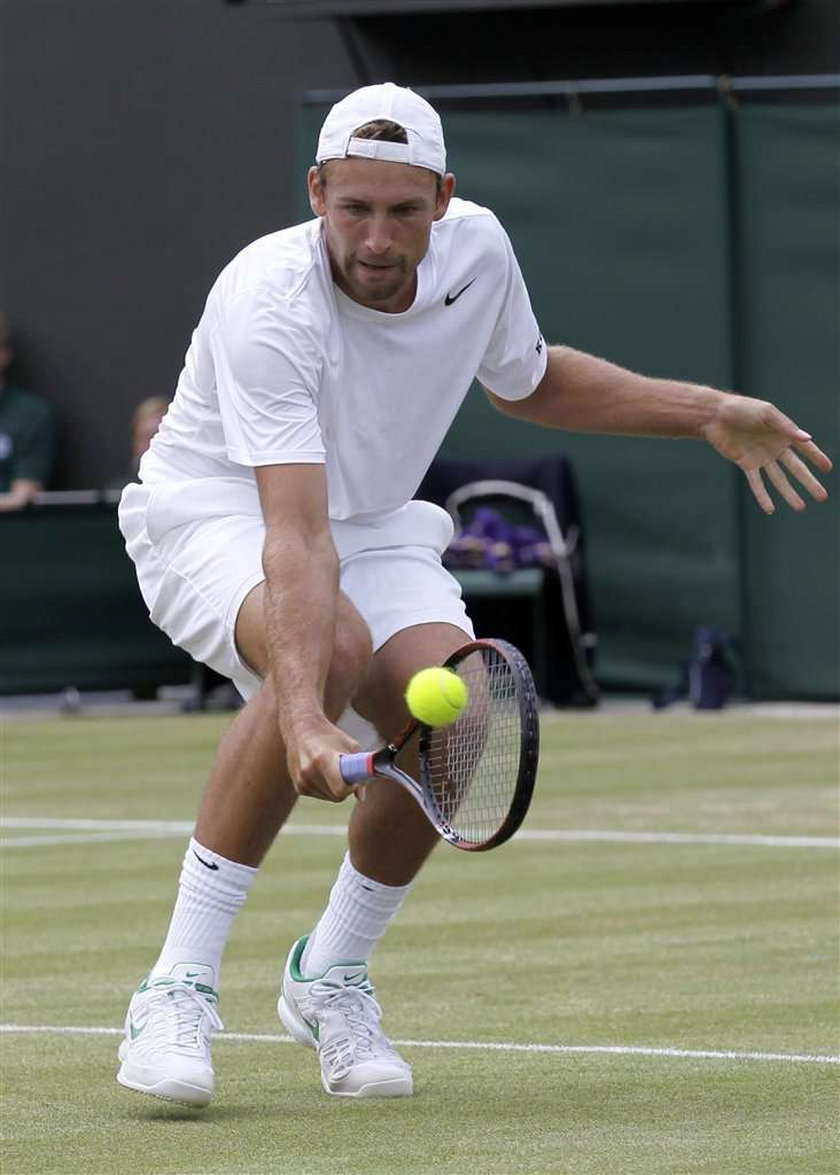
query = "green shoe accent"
x=294 y=962
x=209 y=993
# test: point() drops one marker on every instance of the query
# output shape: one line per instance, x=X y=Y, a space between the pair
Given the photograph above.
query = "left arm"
x=582 y=393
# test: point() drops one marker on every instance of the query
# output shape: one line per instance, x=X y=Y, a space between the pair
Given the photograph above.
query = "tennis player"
x=276 y=539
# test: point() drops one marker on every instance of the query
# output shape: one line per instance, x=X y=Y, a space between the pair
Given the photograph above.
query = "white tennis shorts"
x=197 y=548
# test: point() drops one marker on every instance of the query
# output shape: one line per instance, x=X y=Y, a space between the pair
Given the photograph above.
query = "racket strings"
x=474 y=764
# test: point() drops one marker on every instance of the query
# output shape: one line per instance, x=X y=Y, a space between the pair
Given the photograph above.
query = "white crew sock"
x=357 y=915
x=211 y=890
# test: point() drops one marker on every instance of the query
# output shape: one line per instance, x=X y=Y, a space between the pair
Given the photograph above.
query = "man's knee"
x=381 y=698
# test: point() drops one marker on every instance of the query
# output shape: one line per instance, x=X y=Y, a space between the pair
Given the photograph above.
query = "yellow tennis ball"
x=436 y=696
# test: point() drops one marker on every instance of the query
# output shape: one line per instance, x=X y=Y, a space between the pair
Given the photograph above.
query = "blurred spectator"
x=27 y=434
x=144 y=424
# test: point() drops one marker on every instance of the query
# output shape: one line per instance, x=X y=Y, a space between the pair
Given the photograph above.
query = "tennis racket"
x=477 y=775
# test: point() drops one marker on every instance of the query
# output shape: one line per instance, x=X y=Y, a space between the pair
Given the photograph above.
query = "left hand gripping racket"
x=476 y=777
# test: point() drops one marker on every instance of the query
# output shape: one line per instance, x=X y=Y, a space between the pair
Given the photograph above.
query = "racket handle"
x=356 y=767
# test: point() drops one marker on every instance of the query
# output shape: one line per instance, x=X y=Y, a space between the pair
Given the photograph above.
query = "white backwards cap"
x=425 y=146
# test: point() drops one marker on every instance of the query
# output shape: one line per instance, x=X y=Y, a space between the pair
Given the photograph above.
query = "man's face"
x=378 y=218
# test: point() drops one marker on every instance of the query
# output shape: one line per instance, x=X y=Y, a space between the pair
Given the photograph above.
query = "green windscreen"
x=789 y=211
x=619 y=223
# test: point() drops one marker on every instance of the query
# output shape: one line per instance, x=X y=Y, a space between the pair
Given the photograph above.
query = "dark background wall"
x=145 y=141
x=605 y=40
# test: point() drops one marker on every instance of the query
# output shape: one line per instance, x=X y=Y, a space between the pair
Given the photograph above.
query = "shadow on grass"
x=209 y=1116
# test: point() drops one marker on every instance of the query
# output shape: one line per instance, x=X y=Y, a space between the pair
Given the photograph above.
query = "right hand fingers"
x=319 y=775
x=323 y=782
x=322 y=791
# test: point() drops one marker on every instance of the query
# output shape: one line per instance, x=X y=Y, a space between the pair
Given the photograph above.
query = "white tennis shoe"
x=336 y=1014
x=168 y=1028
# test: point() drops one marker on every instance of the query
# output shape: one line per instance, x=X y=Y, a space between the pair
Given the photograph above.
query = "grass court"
x=643 y=982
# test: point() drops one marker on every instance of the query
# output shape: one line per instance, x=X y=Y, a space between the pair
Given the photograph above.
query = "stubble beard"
x=372 y=290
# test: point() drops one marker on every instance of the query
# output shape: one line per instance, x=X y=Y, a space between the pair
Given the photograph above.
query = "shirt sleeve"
x=34 y=450
x=516 y=356
x=267 y=365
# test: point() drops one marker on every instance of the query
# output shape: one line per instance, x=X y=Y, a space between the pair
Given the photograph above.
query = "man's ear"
x=445 y=194
x=315 y=183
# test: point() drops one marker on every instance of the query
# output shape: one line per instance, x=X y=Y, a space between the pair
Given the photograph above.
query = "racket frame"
x=365 y=766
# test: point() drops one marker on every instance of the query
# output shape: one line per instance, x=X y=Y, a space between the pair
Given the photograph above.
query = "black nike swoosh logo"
x=206 y=864
x=450 y=298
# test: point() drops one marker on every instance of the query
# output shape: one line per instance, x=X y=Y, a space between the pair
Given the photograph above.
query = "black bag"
x=708 y=677
x=711 y=674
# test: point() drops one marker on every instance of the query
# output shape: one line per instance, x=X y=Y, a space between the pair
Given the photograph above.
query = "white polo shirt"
x=285 y=368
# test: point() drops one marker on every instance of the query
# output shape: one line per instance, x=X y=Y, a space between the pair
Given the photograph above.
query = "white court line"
x=168 y=826
x=81 y=831
x=684 y=838
x=105 y=831
x=84 y=838
x=479 y=1045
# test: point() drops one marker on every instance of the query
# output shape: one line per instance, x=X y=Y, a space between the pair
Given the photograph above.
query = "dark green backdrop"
x=698 y=242
x=789 y=213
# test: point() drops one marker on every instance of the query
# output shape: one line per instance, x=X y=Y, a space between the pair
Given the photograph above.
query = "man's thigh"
x=398 y=588
x=202 y=572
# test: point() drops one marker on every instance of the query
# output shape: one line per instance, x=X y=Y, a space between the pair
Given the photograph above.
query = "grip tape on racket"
x=356 y=767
